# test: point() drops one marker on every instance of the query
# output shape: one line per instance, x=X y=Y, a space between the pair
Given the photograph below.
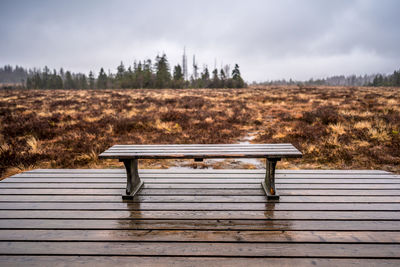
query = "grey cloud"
x=269 y=39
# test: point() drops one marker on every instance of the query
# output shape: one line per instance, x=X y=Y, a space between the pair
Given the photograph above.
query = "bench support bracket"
x=269 y=183
x=133 y=182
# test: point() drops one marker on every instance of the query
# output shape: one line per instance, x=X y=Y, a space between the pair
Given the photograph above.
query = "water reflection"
x=134 y=217
x=276 y=222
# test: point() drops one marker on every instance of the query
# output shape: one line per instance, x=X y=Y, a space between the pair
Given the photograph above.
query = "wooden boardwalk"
x=200 y=217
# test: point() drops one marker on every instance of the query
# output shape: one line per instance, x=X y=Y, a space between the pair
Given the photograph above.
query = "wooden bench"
x=130 y=154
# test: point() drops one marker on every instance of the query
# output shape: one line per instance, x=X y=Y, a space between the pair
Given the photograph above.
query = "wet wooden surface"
x=200 y=217
x=201 y=151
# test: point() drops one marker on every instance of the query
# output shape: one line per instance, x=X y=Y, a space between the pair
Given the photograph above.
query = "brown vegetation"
x=334 y=127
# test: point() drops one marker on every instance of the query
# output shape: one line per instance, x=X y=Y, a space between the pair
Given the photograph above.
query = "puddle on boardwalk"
x=240 y=163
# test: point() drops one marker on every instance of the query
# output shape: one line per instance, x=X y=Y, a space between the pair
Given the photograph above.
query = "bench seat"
x=130 y=154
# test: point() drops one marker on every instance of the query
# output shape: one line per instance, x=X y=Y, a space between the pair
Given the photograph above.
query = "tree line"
x=142 y=74
x=342 y=80
x=389 y=80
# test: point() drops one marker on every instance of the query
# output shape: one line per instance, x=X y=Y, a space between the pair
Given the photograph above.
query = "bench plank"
x=201 y=150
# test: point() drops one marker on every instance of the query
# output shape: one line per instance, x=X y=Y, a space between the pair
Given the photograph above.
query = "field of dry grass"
x=334 y=127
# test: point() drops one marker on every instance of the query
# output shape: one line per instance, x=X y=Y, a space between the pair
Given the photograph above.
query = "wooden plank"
x=208 y=176
x=227 y=151
x=200 y=147
x=207 y=171
x=246 y=151
x=202 y=181
x=201 y=236
x=168 y=187
x=200 y=215
x=280 y=186
x=220 y=224
x=341 y=214
x=270 y=206
x=197 y=155
x=181 y=146
x=202 y=249
x=217 y=171
x=194 y=199
x=203 y=154
x=194 y=192
x=43 y=261
x=253 y=192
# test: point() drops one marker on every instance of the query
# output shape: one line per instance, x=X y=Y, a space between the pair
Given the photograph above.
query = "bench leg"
x=269 y=183
x=133 y=182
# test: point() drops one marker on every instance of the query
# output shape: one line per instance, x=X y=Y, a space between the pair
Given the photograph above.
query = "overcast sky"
x=268 y=39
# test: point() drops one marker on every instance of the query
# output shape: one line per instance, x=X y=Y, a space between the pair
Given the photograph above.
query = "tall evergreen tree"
x=215 y=83
x=62 y=73
x=46 y=78
x=102 y=80
x=178 y=75
x=205 y=78
x=178 y=80
x=82 y=81
x=91 y=80
x=55 y=81
x=37 y=81
x=123 y=78
x=138 y=76
x=222 y=76
x=69 y=82
x=148 y=79
x=238 y=81
x=163 y=76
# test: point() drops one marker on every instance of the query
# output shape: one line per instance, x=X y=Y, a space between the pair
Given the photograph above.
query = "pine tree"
x=55 y=81
x=58 y=82
x=222 y=76
x=163 y=76
x=178 y=81
x=69 y=82
x=37 y=81
x=205 y=78
x=215 y=83
x=120 y=76
x=148 y=79
x=178 y=75
x=238 y=81
x=102 y=79
x=29 y=83
x=46 y=83
x=62 y=73
x=82 y=81
x=120 y=70
x=139 y=76
x=91 y=80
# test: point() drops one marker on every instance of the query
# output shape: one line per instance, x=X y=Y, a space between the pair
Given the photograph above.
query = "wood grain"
x=200 y=217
